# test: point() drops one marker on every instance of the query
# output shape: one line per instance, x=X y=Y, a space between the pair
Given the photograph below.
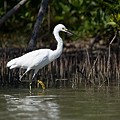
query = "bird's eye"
x=63 y=28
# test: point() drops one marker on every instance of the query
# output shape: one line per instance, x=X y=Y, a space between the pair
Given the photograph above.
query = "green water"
x=60 y=104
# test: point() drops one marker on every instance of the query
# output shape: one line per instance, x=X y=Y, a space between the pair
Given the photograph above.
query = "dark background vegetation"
x=86 y=18
x=96 y=24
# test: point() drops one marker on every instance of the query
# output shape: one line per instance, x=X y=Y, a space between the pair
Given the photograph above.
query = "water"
x=60 y=104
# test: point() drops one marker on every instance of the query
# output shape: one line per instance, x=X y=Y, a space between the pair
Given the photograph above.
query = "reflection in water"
x=61 y=104
x=33 y=107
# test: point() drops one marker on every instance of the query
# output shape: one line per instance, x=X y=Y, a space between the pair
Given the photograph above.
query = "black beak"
x=69 y=32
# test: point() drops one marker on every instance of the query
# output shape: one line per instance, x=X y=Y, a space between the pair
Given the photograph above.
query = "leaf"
x=65 y=8
x=112 y=24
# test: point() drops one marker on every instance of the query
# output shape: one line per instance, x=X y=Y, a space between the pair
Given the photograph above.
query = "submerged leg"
x=30 y=87
x=30 y=84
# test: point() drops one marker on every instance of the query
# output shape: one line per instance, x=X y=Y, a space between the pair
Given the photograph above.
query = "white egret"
x=37 y=59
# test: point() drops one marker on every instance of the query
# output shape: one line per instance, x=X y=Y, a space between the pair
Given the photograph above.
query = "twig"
x=109 y=56
x=113 y=38
x=93 y=68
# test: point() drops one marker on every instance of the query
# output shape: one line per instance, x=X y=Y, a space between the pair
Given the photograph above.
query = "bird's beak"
x=69 y=32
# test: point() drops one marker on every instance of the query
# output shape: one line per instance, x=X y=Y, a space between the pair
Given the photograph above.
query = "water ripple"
x=33 y=107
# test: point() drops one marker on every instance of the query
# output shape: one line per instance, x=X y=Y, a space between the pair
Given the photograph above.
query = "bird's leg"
x=30 y=84
x=39 y=81
x=21 y=76
x=30 y=88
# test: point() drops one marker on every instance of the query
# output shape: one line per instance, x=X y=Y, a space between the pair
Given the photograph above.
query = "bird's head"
x=61 y=27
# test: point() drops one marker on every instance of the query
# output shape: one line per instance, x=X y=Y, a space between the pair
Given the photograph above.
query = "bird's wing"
x=31 y=60
x=34 y=58
x=41 y=59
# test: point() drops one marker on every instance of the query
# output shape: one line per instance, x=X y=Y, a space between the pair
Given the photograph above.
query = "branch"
x=42 y=10
x=12 y=11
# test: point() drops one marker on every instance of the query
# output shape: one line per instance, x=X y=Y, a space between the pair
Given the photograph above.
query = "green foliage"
x=84 y=17
x=23 y=20
x=115 y=21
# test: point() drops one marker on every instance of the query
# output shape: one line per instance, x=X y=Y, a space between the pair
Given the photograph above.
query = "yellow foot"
x=41 y=83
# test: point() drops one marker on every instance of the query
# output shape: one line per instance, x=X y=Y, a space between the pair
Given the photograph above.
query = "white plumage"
x=39 y=58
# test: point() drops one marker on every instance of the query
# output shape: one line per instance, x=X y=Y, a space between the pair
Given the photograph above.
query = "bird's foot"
x=41 y=83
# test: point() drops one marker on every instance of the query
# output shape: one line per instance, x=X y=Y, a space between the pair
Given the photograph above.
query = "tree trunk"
x=42 y=10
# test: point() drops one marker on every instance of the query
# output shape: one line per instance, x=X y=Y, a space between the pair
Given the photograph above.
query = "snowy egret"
x=37 y=59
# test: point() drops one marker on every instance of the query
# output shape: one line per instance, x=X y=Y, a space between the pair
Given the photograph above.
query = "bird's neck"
x=60 y=43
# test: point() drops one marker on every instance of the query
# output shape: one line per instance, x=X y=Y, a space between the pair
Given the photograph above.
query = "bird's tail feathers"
x=12 y=64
